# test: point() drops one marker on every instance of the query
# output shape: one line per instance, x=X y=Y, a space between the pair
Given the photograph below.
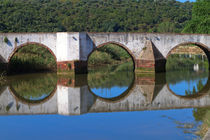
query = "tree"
x=93 y=15
x=166 y=27
x=200 y=22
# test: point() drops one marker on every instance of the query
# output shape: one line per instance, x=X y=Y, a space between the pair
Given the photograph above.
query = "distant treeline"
x=94 y=15
x=177 y=62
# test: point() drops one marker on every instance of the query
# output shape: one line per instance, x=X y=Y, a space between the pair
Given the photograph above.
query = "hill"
x=94 y=15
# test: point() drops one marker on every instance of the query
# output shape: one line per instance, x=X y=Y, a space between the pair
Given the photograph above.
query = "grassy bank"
x=108 y=55
x=183 y=62
x=32 y=58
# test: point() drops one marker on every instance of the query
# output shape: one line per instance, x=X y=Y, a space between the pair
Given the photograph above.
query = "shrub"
x=6 y=40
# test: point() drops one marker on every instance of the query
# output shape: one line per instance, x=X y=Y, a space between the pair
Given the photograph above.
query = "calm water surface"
x=108 y=104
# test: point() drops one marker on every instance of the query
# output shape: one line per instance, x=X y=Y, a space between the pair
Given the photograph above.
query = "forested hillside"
x=94 y=15
x=200 y=22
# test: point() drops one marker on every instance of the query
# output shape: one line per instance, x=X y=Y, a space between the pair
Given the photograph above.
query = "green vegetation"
x=104 y=16
x=34 y=87
x=202 y=115
x=32 y=58
x=6 y=40
x=109 y=54
x=200 y=22
x=174 y=77
x=183 y=61
x=109 y=76
x=199 y=88
x=94 y=15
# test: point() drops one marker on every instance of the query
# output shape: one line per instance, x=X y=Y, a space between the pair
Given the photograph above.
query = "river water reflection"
x=109 y=105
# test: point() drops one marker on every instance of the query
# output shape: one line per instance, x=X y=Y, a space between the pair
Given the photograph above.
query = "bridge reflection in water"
x=75 y=95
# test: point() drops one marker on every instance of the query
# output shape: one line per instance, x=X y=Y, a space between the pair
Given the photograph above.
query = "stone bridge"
x=76 y=99
x=148 y=50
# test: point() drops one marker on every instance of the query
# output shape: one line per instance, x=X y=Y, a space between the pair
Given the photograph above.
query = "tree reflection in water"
x=112 y=81
x=34 y=88
x=181 y=77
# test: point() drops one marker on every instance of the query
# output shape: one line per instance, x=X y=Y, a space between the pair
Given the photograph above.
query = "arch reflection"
x=111 y=83
x=188 y=84
x=34 y=89
x=188 y=69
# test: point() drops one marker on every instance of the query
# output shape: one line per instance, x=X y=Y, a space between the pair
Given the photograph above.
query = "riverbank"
x=177 y=62
x=110 y=54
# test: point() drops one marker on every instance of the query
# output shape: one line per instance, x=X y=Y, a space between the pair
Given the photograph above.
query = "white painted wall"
x=67 y=46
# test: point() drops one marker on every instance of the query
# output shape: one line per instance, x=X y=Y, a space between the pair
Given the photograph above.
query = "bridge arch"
x=120 y=45
x=203 y=47
x=206 y=88
x=30 y=43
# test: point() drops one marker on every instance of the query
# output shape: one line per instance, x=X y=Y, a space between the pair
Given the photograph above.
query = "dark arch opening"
x=111 y=71
x=187 y=69
x=3 y=65
x=32 y=57
x=203 y=47
x=118 y=45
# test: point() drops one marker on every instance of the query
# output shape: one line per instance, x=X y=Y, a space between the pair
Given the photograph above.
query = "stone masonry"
x=149 y=51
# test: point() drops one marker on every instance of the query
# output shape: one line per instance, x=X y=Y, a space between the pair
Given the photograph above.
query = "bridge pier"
x=74 y=100
x=150 y=59
x=77 y=66
x=72 y=52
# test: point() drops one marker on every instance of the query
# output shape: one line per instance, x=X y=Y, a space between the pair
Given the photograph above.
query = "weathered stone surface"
x=75 y=46
x=150 y=59
x=207 y=136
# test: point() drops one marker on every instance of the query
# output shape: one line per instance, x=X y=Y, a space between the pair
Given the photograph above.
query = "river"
x=106 y=104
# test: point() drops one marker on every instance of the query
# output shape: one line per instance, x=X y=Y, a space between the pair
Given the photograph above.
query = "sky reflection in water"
x=112 y=92
x=184 y=85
